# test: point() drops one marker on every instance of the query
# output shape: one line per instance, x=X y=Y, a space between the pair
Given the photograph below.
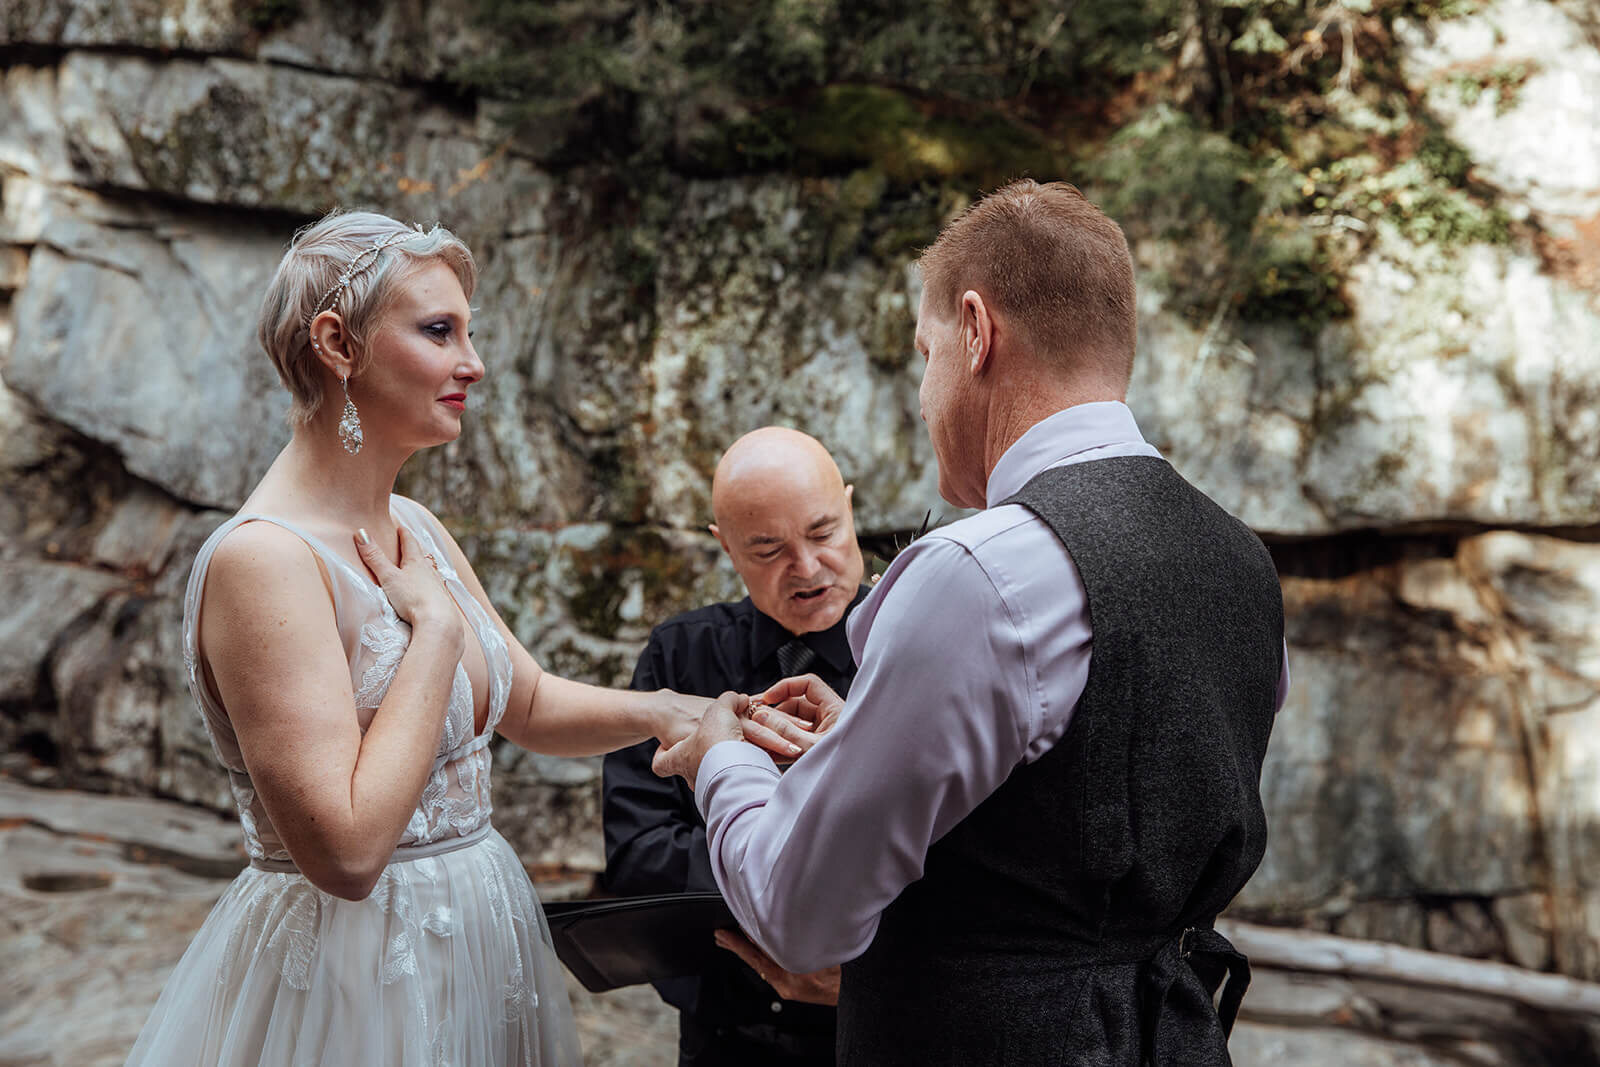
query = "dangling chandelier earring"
x=349 y=422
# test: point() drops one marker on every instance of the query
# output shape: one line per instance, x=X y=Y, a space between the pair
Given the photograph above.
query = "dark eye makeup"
x=441 y=329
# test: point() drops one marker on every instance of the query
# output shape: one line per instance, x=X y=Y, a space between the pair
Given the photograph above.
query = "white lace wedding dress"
x=447 y=962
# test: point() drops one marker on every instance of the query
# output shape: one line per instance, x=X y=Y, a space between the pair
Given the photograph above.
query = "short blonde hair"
x=1053 y=263
x=307 y=282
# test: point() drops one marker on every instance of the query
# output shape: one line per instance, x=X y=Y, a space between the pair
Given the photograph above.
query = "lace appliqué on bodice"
x=386 y=639
x=456 y=799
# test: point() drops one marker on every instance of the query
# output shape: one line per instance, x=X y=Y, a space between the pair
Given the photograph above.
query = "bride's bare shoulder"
x=259 y=542
x=257 y=561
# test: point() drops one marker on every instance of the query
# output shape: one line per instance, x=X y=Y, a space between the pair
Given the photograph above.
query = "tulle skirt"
x=447 y=962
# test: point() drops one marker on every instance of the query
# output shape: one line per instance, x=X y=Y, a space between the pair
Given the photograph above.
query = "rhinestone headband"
x=363 y=259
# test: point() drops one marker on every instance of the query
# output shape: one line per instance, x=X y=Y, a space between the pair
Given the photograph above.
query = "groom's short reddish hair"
x=1053 y=264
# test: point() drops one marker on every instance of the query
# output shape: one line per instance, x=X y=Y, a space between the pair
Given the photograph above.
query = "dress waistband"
x=402 y=854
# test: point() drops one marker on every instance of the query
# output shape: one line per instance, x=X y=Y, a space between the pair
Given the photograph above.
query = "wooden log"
x=1308 y=951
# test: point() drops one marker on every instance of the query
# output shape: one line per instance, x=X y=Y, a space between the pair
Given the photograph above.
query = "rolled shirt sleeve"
x=943 y=708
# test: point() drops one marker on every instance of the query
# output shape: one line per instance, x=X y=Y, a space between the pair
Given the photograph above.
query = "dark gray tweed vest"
x=1067 y=920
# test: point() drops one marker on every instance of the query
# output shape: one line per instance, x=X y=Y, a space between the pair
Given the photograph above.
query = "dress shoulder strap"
x=420 y=521
x=343 y=577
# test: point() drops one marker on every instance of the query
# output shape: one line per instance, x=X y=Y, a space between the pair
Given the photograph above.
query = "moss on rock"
x=1226 y=128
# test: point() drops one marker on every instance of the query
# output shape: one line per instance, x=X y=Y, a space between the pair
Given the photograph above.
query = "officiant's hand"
x=721 y=722
x=818 y=987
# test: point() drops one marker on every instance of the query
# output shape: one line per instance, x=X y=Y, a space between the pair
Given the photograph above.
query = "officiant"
x=783 y=516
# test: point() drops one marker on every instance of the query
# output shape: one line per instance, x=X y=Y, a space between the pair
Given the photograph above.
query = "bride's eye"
x=439 y=331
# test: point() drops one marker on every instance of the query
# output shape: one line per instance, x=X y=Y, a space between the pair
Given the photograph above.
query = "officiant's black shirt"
x=656 y=839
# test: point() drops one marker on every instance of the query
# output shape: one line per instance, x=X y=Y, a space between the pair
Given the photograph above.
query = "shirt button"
x=777 y=1006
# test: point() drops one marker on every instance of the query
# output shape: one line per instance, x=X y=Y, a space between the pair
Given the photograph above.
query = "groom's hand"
x=797 y=711
x=721 y=722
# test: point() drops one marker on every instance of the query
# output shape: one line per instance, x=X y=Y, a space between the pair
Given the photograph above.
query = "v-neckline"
x=376 y=587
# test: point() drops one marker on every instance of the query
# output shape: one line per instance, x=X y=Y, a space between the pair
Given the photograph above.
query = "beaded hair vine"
x=363 y=259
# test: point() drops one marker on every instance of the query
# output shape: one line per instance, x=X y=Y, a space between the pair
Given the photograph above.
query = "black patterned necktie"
x=795 y=657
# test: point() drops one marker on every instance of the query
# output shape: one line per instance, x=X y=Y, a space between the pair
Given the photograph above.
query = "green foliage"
x=711 y=87
x=1269 y=139
x=1505 y=81
x=1298 y=142
x=1169 y=169
x=1260 y=36
x=267 y=15
x=1437 y=9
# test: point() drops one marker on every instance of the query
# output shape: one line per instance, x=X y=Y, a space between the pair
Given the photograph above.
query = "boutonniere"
x=879 y=560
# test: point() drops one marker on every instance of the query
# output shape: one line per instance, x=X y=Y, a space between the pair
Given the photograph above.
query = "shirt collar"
x=832 y=644
x=1049 y=441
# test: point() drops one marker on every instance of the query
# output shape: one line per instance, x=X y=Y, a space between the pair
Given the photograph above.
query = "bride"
x=351 y=672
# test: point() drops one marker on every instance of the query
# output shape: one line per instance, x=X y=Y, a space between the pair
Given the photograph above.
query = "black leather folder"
x=627 y=940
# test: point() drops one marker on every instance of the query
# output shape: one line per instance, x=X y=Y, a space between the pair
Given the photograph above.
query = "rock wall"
x=1424 y=468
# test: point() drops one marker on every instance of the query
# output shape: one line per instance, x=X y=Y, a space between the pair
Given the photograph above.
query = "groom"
x=1046 y=783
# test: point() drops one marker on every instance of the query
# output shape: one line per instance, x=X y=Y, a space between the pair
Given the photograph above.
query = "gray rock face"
x=1438 y=746
x=1427 y=467
x=1530 y=125
x=410 y=39
x=1459 y=391
x=134 y=330
x=1462 y=390
x=210 y=25
x=49 y=598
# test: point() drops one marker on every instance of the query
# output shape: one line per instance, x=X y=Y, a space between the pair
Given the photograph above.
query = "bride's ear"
x=330 y=344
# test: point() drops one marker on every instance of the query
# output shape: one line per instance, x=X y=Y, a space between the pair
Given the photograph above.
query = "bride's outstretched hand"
x=677 y=716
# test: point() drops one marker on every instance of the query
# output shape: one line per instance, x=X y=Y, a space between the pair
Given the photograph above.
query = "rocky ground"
x=100 y=895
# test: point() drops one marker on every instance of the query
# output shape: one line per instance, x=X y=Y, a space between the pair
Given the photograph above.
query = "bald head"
x=783 y=516
x=773 y=457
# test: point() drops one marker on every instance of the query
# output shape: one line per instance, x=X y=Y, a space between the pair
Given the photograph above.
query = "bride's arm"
x=339 y=799
x=561 y=717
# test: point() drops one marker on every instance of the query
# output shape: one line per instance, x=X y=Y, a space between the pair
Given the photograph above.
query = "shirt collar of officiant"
x=832 y=644
x=1047 y=442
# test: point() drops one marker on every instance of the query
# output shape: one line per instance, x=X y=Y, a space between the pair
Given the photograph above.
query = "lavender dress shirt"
x=974 y=648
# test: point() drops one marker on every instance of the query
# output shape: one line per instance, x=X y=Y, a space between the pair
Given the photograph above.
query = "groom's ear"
x=977 y=331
